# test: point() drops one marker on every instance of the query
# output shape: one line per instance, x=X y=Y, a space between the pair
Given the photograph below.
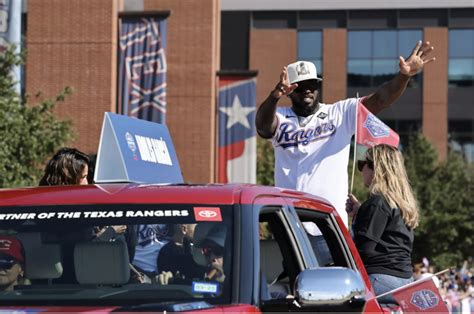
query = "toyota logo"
x=207 y=214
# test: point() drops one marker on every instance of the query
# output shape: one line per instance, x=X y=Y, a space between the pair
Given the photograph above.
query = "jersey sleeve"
x=348 y=109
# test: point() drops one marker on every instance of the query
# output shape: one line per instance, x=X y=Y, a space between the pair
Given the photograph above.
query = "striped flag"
x=142 y=69
x=237 y=131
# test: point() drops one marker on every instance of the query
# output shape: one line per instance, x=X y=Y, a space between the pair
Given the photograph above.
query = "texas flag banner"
x=237 y=132
x=420 y=297
x=372 y=131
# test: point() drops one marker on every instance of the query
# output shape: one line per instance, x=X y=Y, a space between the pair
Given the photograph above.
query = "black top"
x=383 y=239
x=178 y=258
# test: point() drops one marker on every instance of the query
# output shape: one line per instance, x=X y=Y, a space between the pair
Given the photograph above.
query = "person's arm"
x=390 y=91
x=266 y=120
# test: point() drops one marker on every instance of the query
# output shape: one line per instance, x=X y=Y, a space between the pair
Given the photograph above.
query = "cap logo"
x=5 y=244
x=301 y=69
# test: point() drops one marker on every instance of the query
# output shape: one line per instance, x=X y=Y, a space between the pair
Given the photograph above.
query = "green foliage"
x=444 y=192
x=30 y=134
x=265 y=162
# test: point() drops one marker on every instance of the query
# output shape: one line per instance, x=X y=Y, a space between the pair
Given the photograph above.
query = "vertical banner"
x=10 y=31
x=142 y=68
x=237 y=132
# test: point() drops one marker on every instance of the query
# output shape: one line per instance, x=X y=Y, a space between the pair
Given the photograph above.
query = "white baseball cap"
x=302 y=71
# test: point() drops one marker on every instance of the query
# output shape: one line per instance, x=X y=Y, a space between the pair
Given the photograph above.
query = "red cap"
x=12 y=247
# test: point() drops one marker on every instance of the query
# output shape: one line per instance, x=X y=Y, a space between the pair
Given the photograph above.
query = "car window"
x=117 y=254
x=324 y=239
x=279 y=261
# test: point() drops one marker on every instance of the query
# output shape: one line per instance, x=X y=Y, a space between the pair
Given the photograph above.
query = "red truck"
x=280 y=250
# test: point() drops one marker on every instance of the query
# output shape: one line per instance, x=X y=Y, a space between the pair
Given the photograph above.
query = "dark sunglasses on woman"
x=362 y=163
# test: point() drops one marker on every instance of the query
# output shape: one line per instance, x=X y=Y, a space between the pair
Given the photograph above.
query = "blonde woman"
x=383 y=225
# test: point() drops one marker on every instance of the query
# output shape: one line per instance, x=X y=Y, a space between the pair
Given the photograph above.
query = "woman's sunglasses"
x=362 y=163
x=7 y=264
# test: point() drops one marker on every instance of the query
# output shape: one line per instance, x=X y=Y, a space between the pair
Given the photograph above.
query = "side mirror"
x=331 y=287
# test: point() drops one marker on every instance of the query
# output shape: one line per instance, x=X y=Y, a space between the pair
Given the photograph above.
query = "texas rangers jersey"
x=312 y=153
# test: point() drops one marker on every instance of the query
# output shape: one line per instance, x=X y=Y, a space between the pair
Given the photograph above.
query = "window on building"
x=373 y=55
x=310 y=48
x=461 y=91
x=461 y=57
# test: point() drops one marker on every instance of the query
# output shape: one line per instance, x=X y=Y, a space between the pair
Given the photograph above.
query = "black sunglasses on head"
x=216 y=251
x=362 y=163
x=303 y=86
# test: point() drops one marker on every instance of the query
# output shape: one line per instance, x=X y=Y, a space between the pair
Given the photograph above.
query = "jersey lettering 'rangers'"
x=312 y=153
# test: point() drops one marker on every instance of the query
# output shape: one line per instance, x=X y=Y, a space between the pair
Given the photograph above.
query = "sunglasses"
x=306 y=85
x=208 y=251
x=7 y=264
x=362 y=163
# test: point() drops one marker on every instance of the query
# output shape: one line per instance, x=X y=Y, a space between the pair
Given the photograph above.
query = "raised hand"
x=418 y=58
x=284 y=87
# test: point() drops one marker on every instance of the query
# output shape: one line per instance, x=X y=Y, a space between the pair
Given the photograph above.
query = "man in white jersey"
x=311 y=140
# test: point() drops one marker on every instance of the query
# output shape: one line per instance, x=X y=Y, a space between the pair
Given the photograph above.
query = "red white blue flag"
x=237 y=131
x=372 y=131
x=420 y=297
x=142 y=69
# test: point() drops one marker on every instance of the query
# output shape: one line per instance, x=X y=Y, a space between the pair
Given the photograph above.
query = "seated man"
x=176 y=256
x=208 y=255
x=12 y=261
x=212 y=247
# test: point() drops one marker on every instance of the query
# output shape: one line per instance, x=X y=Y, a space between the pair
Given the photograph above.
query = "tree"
x=265 y=162
x=444 y=193
x=29 y=133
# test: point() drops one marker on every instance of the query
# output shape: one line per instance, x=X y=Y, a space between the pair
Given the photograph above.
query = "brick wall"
x=73 y=43
x=435 y=91
x=193 y=58
x=270 y=51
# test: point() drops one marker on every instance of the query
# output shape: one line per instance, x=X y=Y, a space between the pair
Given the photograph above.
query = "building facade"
x=355 y=46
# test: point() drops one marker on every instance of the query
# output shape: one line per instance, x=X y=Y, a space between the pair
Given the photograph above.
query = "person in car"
x=208 y=254
x=212 y=247
x=12 y=261
x=176 y=256
x=383 y=225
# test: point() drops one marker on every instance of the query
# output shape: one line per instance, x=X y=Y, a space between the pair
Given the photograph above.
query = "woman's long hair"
x=391 y=181
x=65 y=167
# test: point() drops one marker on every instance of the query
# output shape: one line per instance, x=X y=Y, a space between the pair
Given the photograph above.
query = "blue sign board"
x=134 y=150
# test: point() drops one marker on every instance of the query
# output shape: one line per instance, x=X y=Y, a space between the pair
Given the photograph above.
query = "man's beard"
x=304 y=110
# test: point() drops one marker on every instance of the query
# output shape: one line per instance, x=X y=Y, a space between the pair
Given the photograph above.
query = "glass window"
x=309 y=44
x=461 y=43
x=385 y=44
x=115 y=254
x=310 y=48
x=461 y=137
x=359 y=44
x=407 y=40
x=378 y=52
x=461 y=58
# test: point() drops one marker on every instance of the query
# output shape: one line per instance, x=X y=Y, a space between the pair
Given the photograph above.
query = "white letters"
x=153 y=150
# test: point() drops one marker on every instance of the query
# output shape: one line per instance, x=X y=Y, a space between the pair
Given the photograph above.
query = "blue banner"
x=142 y=69
x=10 y=31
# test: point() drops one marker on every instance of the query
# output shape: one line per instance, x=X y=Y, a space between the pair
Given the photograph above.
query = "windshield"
x=115 y=254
